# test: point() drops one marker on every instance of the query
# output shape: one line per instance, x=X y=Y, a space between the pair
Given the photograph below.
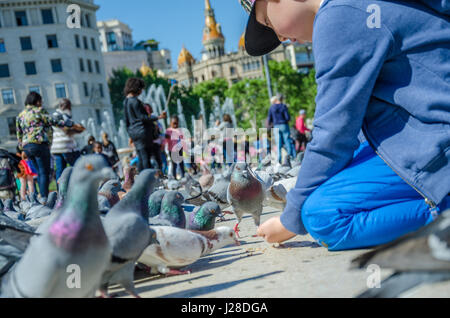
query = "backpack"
x=7 y=181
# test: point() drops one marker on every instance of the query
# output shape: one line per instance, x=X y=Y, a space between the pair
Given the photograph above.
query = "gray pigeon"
x=177 y=248
x=108 y=195
x=9 y=209
x=38 y=210
x=417 y=258
x=51 y=201
x=245 y=194
x=216 y=193
x=63 y=185
x=127 y=228
x=171 y=213
x=154 y=202
x=67 y=260
x=203 y=218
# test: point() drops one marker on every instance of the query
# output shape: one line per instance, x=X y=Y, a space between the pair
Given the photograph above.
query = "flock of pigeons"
x=105 y=228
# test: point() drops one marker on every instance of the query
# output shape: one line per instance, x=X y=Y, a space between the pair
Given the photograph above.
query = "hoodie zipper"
x=432 y=205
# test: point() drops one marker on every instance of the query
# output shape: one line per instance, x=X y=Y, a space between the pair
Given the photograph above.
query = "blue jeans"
x=364 y=205
x=39 y=154
x=62 y=160
x=285 y=139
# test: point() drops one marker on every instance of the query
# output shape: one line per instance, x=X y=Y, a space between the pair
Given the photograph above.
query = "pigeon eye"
x=154 y=236
x=89 y=167
x=231 y=234
x=213 y=211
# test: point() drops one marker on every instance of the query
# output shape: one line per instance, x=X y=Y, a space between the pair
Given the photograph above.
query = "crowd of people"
x=47 y=145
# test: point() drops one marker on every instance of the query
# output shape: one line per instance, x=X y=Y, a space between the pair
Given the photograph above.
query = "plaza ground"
x=258 y=270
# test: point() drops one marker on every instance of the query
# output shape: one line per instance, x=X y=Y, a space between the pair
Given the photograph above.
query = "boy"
x=97 y=149
x=378 y=165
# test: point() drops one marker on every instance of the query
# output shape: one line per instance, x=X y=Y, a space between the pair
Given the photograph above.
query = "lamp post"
x=269 y=80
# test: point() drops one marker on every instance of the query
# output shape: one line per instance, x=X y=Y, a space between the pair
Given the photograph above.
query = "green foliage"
x=250 y=96
x=251 y=101
x=299 y=89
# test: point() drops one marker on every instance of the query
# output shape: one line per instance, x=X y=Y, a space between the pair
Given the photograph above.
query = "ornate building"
x=39 y=52
x=216 y=63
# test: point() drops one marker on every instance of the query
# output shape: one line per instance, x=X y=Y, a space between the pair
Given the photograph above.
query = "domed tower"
x=213 y=39
x=241 y=45
x=185 y=63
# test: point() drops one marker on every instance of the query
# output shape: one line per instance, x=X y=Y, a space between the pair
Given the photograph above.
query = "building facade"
x=119 y=50
x=234 y=66
x=40 y=52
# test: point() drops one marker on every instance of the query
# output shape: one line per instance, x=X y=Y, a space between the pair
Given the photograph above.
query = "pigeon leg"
x=236 y=229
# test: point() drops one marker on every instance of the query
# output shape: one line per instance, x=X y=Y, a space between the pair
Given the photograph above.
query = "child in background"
x=98 y=149
x=378 y=165
x=26 y=177
x=174 y=141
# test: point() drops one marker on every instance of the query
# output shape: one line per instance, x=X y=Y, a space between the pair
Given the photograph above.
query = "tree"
x=251 y=99
x=208 y=89
x=299 y=89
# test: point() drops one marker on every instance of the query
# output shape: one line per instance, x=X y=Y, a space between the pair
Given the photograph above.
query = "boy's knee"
x=324 y=223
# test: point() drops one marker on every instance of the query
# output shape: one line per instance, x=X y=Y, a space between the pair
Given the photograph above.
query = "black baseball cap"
x=259 y=38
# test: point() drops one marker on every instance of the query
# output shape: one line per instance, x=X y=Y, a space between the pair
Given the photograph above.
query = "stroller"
x=8 y=164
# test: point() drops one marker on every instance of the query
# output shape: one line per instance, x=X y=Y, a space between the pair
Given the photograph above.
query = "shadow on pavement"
x=199 y=291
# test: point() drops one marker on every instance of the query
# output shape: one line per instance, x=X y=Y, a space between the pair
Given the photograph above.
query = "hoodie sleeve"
x=349 y=56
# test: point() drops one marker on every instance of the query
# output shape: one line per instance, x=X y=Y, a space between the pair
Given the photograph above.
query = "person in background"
x=300 y=125
x=140 y=126
x=98 y=150
x=109 y=149
x=64 y=147
x=88 y=149
x=26 y=177
x=9 y=163
x=158 y=138
x=35 y=136
x=279 y=118
x=173 y=138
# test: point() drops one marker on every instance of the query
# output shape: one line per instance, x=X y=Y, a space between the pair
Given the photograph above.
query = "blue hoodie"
x=390 y=81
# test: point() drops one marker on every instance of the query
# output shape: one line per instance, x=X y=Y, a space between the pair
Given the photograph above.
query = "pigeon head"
x=154 y=202
x=92 y=167
x=112 y=186
x=212 y=208
x=226 y=236
x=241 y=171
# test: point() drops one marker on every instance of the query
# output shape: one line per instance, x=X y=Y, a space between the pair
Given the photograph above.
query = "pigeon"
x=417 y=258
x=14 y=239
x=38 y=210
x=69 y=258
x=154 y=202
x=9 y=209
x=192 y=186
x=206 y=181
x=63 y=185
x=108 y=195
x=265 y=179
x=126 y=226
x=130 y=173
x=245 y=194
x=275 y=196
x=177 y=248
x=204 y=217
x=51 y=201
x=217 y=193
x=171 y=213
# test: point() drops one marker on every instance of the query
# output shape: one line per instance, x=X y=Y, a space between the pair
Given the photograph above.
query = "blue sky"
x=175 y=22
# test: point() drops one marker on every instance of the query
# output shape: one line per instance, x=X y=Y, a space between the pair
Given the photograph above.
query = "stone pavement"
x=258 y=270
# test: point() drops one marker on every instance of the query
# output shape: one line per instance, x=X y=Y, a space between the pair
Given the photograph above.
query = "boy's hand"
x=274 y=232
